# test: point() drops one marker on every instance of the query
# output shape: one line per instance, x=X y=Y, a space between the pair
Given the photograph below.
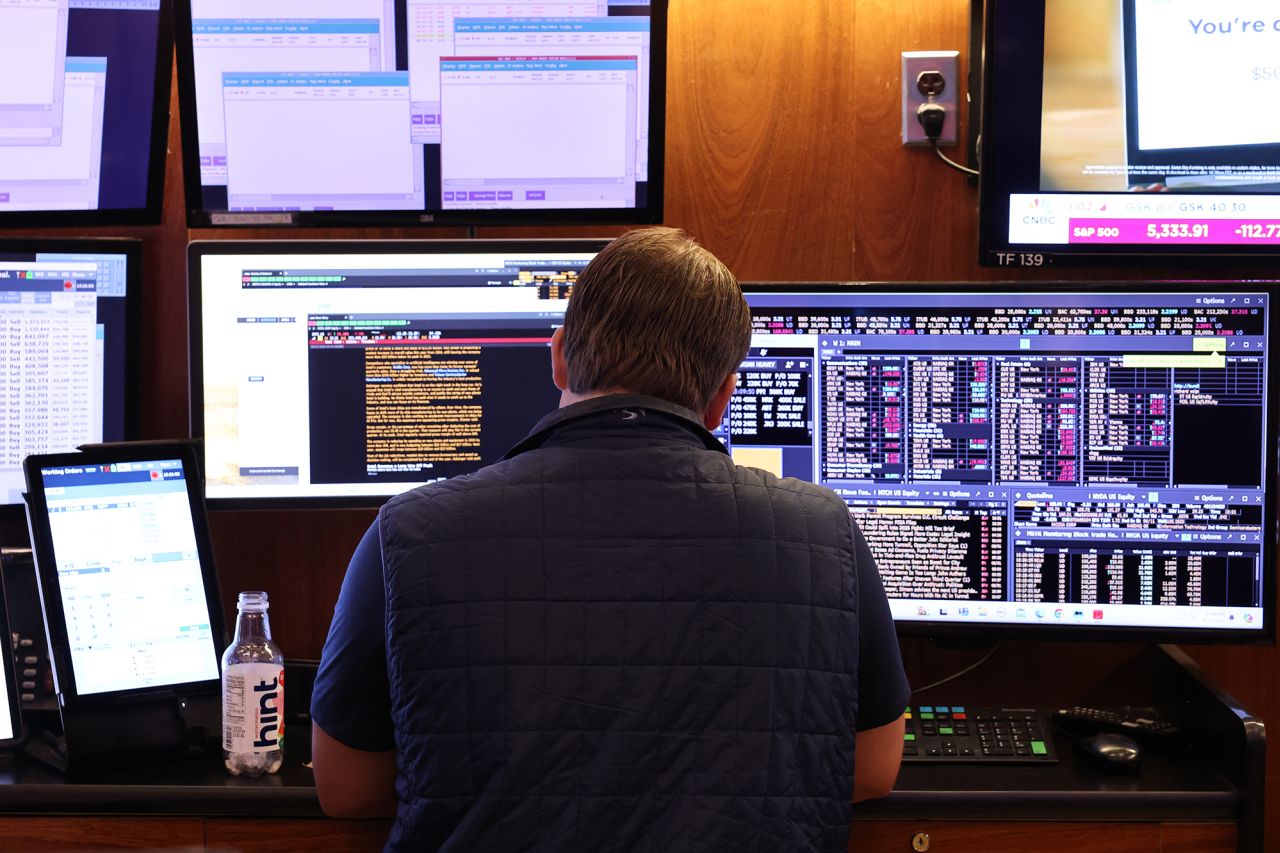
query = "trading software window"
x=431 y=36
x=491 y=101
x=63 y=176
x=621 y=36
x=382 y=11
x=129 y=575
x=367 y=380
x=300 y=141
x=33 y=53
x=1031 y=457
x=242 y=45
x=51 y=363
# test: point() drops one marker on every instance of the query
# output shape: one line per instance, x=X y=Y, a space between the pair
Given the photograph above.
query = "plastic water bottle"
x=252 y=693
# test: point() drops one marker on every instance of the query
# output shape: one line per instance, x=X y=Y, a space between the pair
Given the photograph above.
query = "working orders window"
x=620 y=36
x=513 y=136
x=65 y=176
x=299 y=141
x=431 y=26
x=33 y=53
x=270 y=45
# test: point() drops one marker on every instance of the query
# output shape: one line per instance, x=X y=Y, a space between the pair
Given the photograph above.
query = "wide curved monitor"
x=342 y=373
x=68 y=350
x=84 y=110
x=422 y=111
x=1118 y=129
x=1034 y=459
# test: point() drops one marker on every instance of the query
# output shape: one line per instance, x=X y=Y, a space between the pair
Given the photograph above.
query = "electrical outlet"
x=930 y=76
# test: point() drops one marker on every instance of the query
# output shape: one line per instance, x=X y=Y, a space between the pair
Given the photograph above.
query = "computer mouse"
x=1111 y=752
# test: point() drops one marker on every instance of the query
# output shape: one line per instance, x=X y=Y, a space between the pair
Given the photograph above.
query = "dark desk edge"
x=1128 y=806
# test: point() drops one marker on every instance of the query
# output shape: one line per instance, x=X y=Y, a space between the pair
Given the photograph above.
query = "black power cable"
x=932 y=118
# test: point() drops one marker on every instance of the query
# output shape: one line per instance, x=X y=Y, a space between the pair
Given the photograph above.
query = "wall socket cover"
x=914 y=63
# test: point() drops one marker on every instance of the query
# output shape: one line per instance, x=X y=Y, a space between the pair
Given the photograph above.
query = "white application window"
x=618 y=36
x=272 y=391
x=384 y=11
x=514 y=137
x=430 y=25
x=242 y=45
x=320 y=142
x=65 y=176
x=1207 y=75
x=51 y=364
x=33 y=53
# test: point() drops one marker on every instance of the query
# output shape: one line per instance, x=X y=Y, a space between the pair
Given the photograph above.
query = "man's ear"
x=714 y=413
x=559 y=367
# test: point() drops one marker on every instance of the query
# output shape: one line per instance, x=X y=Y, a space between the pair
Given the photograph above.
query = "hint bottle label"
x=253 y=707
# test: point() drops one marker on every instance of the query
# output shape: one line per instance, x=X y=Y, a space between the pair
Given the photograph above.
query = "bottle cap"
x=254 y=601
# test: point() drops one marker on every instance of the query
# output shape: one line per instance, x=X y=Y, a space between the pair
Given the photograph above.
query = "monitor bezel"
x=199 y=249
x=1012 y=106
x=199 y=217
x=152 y=213
x=51 y=593
x=11 y=692
x=977 y=633
x=131 y=248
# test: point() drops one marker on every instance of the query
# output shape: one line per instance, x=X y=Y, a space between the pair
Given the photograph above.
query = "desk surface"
x=1174 y=784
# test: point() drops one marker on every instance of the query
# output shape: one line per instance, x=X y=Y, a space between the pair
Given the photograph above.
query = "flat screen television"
x=1033 y=459
x=342 y=373
x=422 y=111
x=68 y=351
x=84 y=111
x=1118 y=129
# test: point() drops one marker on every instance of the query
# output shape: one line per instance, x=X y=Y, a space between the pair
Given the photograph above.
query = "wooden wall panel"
x=916 y=218
x=761 y=134
x=783 y=157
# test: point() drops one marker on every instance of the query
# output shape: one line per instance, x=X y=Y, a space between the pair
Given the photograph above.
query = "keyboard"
x=972 y=735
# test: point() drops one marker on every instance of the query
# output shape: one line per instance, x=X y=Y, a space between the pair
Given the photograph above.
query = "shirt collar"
x=664 y=409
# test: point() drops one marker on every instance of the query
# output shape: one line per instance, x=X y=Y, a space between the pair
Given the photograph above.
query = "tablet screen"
x=129 y=575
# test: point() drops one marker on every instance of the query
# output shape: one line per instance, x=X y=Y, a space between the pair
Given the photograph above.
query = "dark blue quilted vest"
x=618 y=640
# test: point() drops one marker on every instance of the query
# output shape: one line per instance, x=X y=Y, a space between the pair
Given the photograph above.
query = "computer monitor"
x=68 y=350
x=1129 y=128
x=84 y=110
x=341 y=373
x=1033 y=459
x=422 y=111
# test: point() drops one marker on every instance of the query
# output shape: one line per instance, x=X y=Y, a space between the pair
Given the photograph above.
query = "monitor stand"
x=162 y=729
x=13 y=532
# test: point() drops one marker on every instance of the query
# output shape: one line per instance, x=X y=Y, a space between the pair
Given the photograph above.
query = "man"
x=615 y=638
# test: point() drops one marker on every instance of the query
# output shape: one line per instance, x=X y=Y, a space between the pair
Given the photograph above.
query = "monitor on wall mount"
x=329 y=373
x=1034 y=460
x=1129 y=129
x=68 y=351
x=84 y=111
x=422 y=111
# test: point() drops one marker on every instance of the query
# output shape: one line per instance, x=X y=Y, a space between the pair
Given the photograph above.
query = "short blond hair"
x=655 y=313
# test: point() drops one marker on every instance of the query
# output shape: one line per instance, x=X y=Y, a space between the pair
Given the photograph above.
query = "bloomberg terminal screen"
x=1024 y=458
x=341 y=376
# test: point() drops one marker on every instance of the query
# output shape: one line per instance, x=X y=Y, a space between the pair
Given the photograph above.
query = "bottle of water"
x=252 y=693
